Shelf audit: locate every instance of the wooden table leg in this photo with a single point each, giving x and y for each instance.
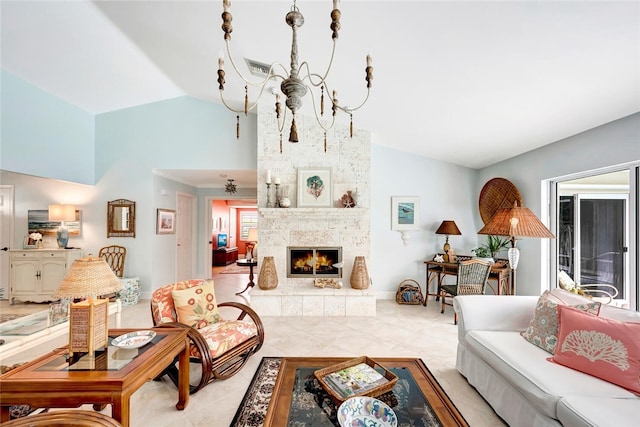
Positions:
(120, 409)
(183, 377)
(250, 284)
(4, 413)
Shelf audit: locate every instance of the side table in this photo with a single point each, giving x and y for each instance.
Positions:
(247, 263)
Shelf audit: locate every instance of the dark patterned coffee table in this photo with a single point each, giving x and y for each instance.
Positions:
(417, 398)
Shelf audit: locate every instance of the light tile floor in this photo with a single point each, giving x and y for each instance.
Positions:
(397, 330)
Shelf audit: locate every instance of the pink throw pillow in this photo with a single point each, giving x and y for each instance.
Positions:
(605, 348)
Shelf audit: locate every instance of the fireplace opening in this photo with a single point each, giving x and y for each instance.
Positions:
(313, 261)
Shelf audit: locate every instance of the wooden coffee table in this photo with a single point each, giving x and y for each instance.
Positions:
(414, 378)
(111, 378)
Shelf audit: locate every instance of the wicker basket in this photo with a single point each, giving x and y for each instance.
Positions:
(391, 378)
(409, 292)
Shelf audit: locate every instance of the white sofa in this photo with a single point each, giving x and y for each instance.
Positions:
(517, 380)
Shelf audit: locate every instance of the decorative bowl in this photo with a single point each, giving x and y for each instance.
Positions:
(133, 339)
(363, 411)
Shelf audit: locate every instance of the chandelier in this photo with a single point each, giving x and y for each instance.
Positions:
(296, 81)
(230, 187)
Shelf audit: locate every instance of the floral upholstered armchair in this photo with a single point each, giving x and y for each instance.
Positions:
(221, 347)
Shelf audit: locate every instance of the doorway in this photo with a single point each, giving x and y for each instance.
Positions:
(593, 224)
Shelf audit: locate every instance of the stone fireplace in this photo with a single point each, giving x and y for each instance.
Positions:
(314, 261)
(283, 229)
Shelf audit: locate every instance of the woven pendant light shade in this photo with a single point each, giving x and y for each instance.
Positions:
(516, 222)
(88, 277)
(268, 277)
(359, 274)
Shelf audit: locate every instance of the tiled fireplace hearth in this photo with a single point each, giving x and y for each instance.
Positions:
(281, 229)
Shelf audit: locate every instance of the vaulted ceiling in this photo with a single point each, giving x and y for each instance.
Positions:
(471, 83)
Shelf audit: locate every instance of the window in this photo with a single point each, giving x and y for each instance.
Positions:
(248, 219)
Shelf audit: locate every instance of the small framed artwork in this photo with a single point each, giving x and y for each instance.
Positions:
(166, 221)
(314, 188)
(405, 213)
(29, 243)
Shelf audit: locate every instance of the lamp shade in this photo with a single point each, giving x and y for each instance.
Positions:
(62, 213)
(253, 235)
(516, 221)
(449, 228)
(88, 277)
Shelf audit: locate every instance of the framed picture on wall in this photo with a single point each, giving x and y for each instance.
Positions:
(166, 221)
(405, 213)
(314, 188)
(38, 222)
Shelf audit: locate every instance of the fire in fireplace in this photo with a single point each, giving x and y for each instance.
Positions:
(313, 261)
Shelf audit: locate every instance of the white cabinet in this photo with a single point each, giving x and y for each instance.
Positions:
(36, 273)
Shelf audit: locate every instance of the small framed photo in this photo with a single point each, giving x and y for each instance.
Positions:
(166, 221)
(314, 188)
(405, 213)
(29, 243)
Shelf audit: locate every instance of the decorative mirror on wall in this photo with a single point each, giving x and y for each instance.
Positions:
(121, 218)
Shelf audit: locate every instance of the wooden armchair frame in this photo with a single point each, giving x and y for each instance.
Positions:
(225, 365)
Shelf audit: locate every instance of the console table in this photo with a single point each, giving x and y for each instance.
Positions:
(499, 272)
(225, 256)
(111, 377)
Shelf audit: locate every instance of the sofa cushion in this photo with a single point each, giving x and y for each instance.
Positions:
(543, 329)
(196, 306)
(605, 348)
(525, 366)
(579, 411)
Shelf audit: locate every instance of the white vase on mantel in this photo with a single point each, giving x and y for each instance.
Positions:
(285, 202)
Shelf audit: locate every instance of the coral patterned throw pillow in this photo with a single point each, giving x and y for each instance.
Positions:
(605, 348)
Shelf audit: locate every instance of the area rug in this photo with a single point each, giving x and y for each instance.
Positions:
(234, 269)
(314, 405)
(255, 402)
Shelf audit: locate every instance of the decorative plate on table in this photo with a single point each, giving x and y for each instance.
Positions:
(133, 339)
(363, 411)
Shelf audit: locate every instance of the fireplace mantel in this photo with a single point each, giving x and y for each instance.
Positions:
(312, 212)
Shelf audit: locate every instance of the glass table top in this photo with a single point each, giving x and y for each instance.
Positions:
(312, 406)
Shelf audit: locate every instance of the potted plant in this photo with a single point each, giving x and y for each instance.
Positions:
(492, 247)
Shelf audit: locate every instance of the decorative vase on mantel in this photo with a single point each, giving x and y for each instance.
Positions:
(268, 277)
(359, 274)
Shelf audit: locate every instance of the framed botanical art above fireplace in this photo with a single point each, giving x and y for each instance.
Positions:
(314, 188)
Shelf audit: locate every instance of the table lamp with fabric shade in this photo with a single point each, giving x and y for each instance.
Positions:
(252, 241)
(62, 213)
(516, 221)
(88, 320)
(449, 228)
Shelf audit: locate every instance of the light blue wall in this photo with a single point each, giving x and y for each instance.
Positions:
(43, 135)
(181, 133)
(612, 144)
(445, 191)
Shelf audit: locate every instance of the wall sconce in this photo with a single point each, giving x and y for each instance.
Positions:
(62, 213)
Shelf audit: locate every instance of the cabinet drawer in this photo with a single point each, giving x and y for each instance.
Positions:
(47, 254)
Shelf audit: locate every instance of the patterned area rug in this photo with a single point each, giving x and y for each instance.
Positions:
(235, 269)
(255, 402)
